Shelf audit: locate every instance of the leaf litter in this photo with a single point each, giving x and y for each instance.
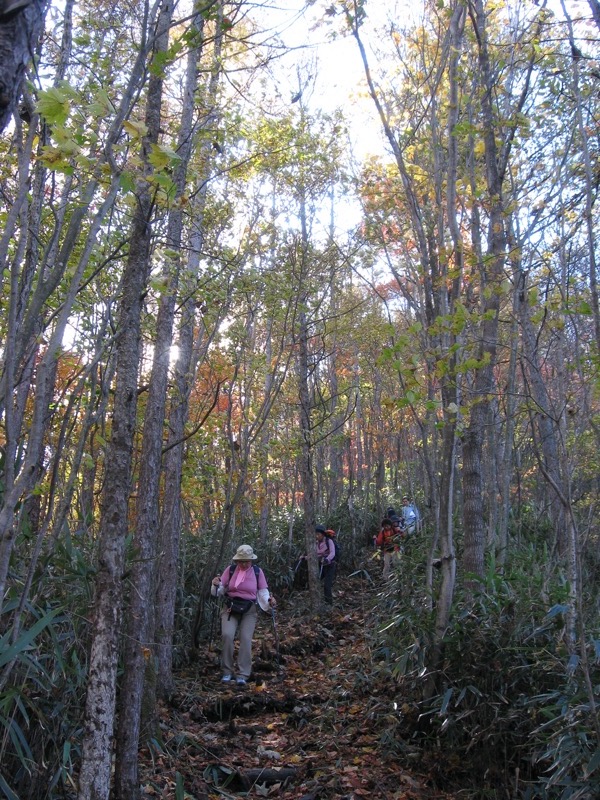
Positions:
(309, 725)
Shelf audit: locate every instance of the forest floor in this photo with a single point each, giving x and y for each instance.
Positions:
(311, 724)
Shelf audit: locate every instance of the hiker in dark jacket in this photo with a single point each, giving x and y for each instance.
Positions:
(247, 586)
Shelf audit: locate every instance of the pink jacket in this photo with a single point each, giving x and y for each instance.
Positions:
(326, 551)
(248, 588)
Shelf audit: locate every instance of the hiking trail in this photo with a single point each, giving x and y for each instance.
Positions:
(312, 724)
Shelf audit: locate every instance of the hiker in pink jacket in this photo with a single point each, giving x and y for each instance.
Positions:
(243, 585)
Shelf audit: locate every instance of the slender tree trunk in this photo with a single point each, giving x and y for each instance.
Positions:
(185, 368)
(306, 458)
(510, 393)
(337, 414)
(492, 272)
(265, 439)
(542, 416)
(20, 32)
(306, 408)
(94, 780)
(590, 212)
(140, 618)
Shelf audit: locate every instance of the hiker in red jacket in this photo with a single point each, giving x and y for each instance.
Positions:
(387, 542)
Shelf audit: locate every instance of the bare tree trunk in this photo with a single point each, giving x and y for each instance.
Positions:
(542, 416)
(306, 408)
(21, 26)
(590, 213)
(185, 368)
(356, 455)
(140, 618)
(338, 415)
(306, 458)
(510, 393)
(492, 272)
(94, 780)
(473, 439)
(265, 439)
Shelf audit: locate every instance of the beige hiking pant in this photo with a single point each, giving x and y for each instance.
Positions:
(390, 560)
(244, 627)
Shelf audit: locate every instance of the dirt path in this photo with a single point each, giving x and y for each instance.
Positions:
(308, 726)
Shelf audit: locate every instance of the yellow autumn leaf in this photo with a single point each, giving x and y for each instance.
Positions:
(135, 128)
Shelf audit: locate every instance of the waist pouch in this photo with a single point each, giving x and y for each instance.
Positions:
(238, 606)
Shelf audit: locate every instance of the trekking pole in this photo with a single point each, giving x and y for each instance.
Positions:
(213, 616)
(276, 635)
(300, 560)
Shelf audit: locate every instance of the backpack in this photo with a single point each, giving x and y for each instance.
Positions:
(255, 567)
(329, 534)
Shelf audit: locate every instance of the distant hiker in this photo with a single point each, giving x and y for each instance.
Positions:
(387, 542)
(326, 556)
(410, 515)
(399, 529)
(243, 585)
(392, 514)
(397, 525)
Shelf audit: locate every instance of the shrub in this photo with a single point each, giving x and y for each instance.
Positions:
(509, 711)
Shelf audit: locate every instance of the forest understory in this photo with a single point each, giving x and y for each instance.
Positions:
(313, 723)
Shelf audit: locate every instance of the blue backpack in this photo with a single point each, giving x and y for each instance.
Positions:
(329, 534)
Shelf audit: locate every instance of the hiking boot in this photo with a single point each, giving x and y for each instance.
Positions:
(241, 681)
(226, 679)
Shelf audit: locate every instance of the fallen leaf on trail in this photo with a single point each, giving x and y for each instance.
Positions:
(318, 714)
(273, 755)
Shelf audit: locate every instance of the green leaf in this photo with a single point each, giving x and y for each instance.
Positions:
(64, 139)
(24, 641)
(54, 106)
(583, 307)
(162, 156)
(8, 792)
(179, 788)
(446, 701)
(135, 128)
(593, 763)
(127, 182)
(559, 608)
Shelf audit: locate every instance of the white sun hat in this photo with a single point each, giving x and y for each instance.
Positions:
(245, 553)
